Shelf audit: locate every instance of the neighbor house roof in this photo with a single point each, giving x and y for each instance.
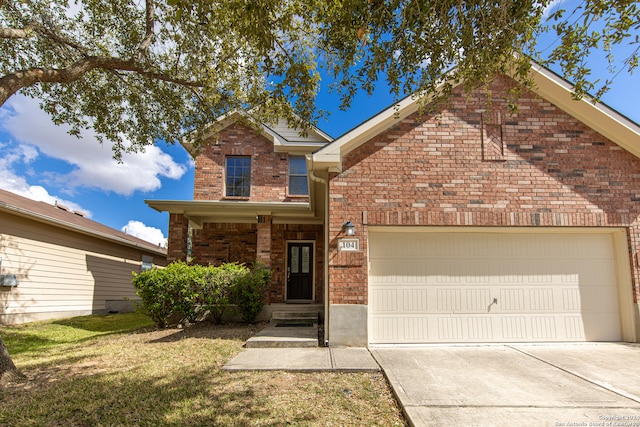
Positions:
(62, 217)
(548, 85)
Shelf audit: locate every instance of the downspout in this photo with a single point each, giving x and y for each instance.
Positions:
(326, 251)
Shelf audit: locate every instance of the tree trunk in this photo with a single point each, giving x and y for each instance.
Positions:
(6, 364)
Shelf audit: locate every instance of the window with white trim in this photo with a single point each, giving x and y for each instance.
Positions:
(238, 176)
(298, 184)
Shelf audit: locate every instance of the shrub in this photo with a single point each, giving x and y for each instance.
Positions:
(248, 291)
(183, 283)
(168, 291)
(216, 288)
(151, 288)
(186, 290)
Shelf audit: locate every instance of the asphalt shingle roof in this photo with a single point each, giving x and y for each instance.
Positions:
(60, 216)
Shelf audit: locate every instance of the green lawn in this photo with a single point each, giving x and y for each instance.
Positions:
(118, 370)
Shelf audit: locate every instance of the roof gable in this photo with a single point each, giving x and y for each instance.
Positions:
(548, 86)
(285, 138)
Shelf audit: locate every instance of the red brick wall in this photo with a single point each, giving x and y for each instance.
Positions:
(219, 243)
(178, 235)
(269, 170)
(448, 169)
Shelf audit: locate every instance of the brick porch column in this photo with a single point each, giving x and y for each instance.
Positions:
(178, 235)
(263, 249)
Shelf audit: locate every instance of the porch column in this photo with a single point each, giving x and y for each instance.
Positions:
(178, 236)
(263, 248)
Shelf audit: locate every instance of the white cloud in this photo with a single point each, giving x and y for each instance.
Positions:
(93, 164)
(17, 184)
(144, 232)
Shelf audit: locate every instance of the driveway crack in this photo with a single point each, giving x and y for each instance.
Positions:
(582, 377)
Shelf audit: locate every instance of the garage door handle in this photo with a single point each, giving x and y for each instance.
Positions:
(495, 301)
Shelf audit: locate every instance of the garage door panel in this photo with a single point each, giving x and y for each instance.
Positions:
(514, 328)
(598, 299)
(512, 299)
(574, 327)
(440, 287)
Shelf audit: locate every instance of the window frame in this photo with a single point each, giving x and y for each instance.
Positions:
(146, 263)
(241, 185)
(291, 175)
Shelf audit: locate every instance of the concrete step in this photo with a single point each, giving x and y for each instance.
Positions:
(294, 318)
(279, 336)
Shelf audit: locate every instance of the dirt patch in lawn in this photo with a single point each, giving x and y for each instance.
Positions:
(230, 331)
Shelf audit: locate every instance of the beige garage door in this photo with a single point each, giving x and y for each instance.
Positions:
(429, 287)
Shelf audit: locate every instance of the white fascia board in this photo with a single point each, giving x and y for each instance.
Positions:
(293, 147)
(241, 208)
(603, 119)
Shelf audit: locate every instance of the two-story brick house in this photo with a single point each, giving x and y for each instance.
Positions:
(252, 203)
(471, 224)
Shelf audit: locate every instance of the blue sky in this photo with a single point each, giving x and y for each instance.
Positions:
(40, 160)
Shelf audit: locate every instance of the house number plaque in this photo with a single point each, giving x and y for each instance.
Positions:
(348, 245)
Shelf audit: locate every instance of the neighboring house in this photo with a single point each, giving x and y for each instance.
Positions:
(471, 224)
(64, 264)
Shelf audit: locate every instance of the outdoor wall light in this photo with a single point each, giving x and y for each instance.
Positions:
(349, 228)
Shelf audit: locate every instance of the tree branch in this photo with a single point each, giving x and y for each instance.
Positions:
(16, 33)
(60, 38)
(11, 83)
(149, 22)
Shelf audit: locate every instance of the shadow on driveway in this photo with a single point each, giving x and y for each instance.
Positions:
(586, 384)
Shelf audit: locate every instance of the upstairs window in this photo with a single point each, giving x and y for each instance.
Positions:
(238, 176)
(298, 185)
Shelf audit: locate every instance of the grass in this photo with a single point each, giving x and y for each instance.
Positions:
(116, 370)
(39, 337)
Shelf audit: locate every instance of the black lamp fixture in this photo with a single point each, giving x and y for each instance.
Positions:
(349, 228)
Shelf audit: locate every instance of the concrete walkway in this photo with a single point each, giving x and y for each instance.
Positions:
(348, 359)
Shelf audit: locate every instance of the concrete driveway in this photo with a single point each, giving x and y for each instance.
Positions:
(591, 384)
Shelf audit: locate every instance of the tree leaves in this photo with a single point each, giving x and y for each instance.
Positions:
(162, 68)
(595, 25)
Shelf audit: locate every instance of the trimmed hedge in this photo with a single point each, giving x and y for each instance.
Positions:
(190, 291)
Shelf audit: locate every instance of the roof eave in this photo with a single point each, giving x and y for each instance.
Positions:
(83, 230)
(603, 119)
(201, 211)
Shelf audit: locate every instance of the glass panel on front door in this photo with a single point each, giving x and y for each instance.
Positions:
(295, 259)
(300, 271)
